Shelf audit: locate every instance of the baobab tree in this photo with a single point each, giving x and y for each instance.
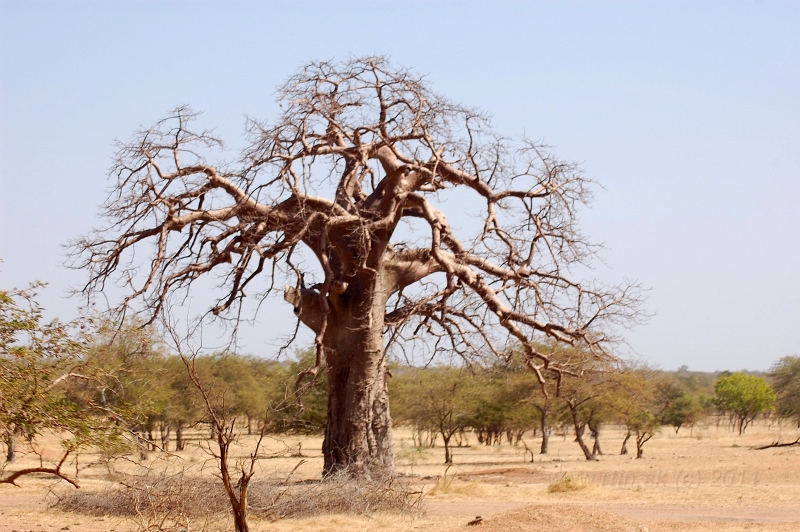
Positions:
(341, 200)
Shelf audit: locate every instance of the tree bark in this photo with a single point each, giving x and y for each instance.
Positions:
(11, 445)
(448, 455)
(238, 500)
(141, 443)
(624, 449)
(595, 430)
(545, 412)
(641, 439)
(166, 428)
(579, 438)
(179, 442)
(580, 428)
(358, 433)
(596, 450)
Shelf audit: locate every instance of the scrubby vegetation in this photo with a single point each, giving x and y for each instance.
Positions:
(118, 389)
(126, 375)
(160, 500)
(567, 483)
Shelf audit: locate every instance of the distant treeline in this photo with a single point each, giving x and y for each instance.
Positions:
(127, 375)
(501, 401)
(150, 390)
(506, 402)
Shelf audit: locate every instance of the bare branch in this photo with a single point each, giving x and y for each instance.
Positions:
(337, 191)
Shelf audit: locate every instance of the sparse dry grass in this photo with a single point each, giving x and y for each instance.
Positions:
(568, 483)
(711, 470)
(455, 488)
(165, 501)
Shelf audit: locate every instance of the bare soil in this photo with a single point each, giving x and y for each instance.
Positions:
(706, 479)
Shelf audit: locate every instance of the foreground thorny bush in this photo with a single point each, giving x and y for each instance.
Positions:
(163, 501)
(338, 494)
(156, 501)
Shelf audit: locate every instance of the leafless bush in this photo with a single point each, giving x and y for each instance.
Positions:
(160, 501)
(154, 501)
(340, 493)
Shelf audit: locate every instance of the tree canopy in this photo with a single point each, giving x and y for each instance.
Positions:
(785, 375)
(38, 360)
(745, 396)
(342, 199)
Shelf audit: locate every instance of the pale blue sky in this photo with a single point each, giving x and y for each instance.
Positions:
(688, 114)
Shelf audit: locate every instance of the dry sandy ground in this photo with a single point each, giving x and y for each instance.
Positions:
(710, 479)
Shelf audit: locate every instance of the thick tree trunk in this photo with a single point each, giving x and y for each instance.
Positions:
(358, 434)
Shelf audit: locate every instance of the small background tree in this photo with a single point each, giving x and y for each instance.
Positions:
(37, 362)
(640, 397)
(584, 405)
(785, 377)
(437, 400)
(685, 409)
(744, 397)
